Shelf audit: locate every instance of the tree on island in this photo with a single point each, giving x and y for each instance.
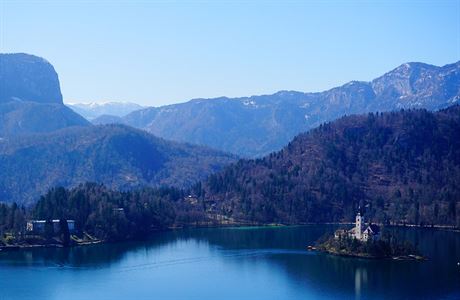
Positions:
(388, 246)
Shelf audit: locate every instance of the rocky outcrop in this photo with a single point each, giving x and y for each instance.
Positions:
(30, 97)
(28, 78)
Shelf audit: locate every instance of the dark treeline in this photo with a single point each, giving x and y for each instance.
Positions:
(12, 218)
(404, 167)
(108, 214)
(103, 213)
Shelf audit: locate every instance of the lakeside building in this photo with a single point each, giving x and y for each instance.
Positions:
(38, 226)
(360, 231)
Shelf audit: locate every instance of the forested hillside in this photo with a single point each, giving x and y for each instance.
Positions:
(403, 167)
(118, 156)
(22, 118)
(400, 167)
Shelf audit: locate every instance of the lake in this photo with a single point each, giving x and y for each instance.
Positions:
(232, 263)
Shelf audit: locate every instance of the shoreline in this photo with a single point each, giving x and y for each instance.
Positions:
(236, 224)
(410, 257)
(18, 247)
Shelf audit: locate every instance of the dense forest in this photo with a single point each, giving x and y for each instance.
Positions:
(12, 218)
(103, 213)
(404, 167)
(108, 214)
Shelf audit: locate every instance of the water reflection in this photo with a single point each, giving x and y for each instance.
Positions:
(276, 254)
(360, 280)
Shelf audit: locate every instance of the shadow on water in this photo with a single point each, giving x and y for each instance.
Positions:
(91, 256)
(104, 255)
(284, 249)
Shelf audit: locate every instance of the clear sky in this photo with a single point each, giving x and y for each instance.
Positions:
(160, 52)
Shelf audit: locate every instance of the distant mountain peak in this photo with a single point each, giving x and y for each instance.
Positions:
(256, 125)
(93, 110)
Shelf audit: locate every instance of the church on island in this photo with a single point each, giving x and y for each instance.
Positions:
(360, 231)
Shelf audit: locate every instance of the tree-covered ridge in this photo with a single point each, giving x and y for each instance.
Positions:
(118, 156)
(20, 118)
(403, 166)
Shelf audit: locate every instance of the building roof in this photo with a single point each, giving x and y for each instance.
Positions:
(372, 229)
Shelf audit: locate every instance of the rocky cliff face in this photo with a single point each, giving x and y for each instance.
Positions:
(28, 78)
(30, 97)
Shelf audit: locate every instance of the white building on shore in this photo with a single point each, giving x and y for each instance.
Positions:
(38, 226)
(360, 231)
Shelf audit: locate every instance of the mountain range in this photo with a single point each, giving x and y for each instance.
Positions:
(257, 125)
(94, 110)
(43, 143)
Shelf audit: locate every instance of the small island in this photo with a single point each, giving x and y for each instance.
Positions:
(367, 242)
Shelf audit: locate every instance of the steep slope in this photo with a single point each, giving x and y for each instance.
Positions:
(116, 155)
(28, 78)
(30, 97)
(257, 125)
(418, 85)
(404, 167)
(18, 117)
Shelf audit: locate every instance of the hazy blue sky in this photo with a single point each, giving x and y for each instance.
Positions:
(159, 52)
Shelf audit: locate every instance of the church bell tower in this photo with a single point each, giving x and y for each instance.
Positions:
(359, 225)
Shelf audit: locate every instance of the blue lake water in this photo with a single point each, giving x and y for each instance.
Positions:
(231, 263)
